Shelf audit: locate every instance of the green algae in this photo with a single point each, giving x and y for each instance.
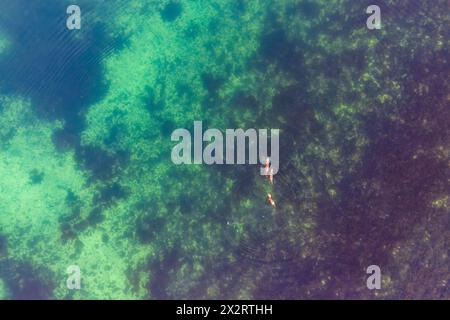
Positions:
(29, 213)
(4, 294)
(135, 119)
(4, 43)
(154, 230)
(140, 101)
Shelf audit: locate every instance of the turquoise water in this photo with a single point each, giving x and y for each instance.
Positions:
(86, 176)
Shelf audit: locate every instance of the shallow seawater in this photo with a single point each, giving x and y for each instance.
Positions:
(87, 177)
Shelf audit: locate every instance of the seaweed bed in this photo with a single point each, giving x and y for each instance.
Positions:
(85, 171)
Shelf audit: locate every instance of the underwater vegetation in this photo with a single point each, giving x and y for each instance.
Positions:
(3, 43)
(86, 176)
